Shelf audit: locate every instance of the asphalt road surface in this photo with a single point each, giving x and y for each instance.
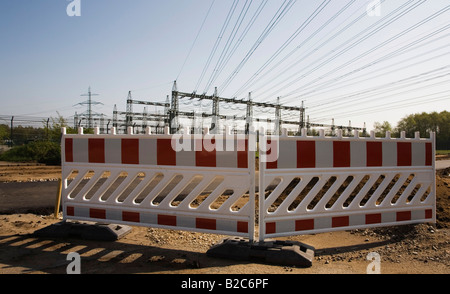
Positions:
(25, 196)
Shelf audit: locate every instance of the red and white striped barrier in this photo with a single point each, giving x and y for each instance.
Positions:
(159, 219)
(320, 184)
(344, 222)
(207, 182)
(184, 182)
(321, 152)
(159, 151)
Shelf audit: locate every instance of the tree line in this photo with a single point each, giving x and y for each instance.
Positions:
(424, 122)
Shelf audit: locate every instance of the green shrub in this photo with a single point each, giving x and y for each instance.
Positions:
(39, 151)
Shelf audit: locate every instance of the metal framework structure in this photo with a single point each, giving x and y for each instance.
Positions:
(144, 118)
(172, 114)
(249, 118)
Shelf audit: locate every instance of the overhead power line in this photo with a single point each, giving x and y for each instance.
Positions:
(282, 11)
(343, 61)
(359, 96)
(308, 90)
(220, 62)
(300, 29)
(380, 45)
(216, 44)
(195, 40)
(348, 45)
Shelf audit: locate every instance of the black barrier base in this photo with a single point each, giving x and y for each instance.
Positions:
(289, 253)
(84, 230)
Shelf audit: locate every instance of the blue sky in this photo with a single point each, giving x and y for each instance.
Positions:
(48, 59)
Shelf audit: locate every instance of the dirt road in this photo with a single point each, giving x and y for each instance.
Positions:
(411, 249)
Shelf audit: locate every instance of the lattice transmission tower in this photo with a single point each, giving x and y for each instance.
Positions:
(89, 113)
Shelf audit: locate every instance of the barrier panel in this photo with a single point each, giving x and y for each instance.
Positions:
(321, 184)
(188, 182)
(207, 183)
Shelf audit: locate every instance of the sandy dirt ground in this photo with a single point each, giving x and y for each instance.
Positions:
(410, 249)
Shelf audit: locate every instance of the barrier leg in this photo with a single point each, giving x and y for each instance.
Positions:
(288, 253)
(58, 198)
(84, 230)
